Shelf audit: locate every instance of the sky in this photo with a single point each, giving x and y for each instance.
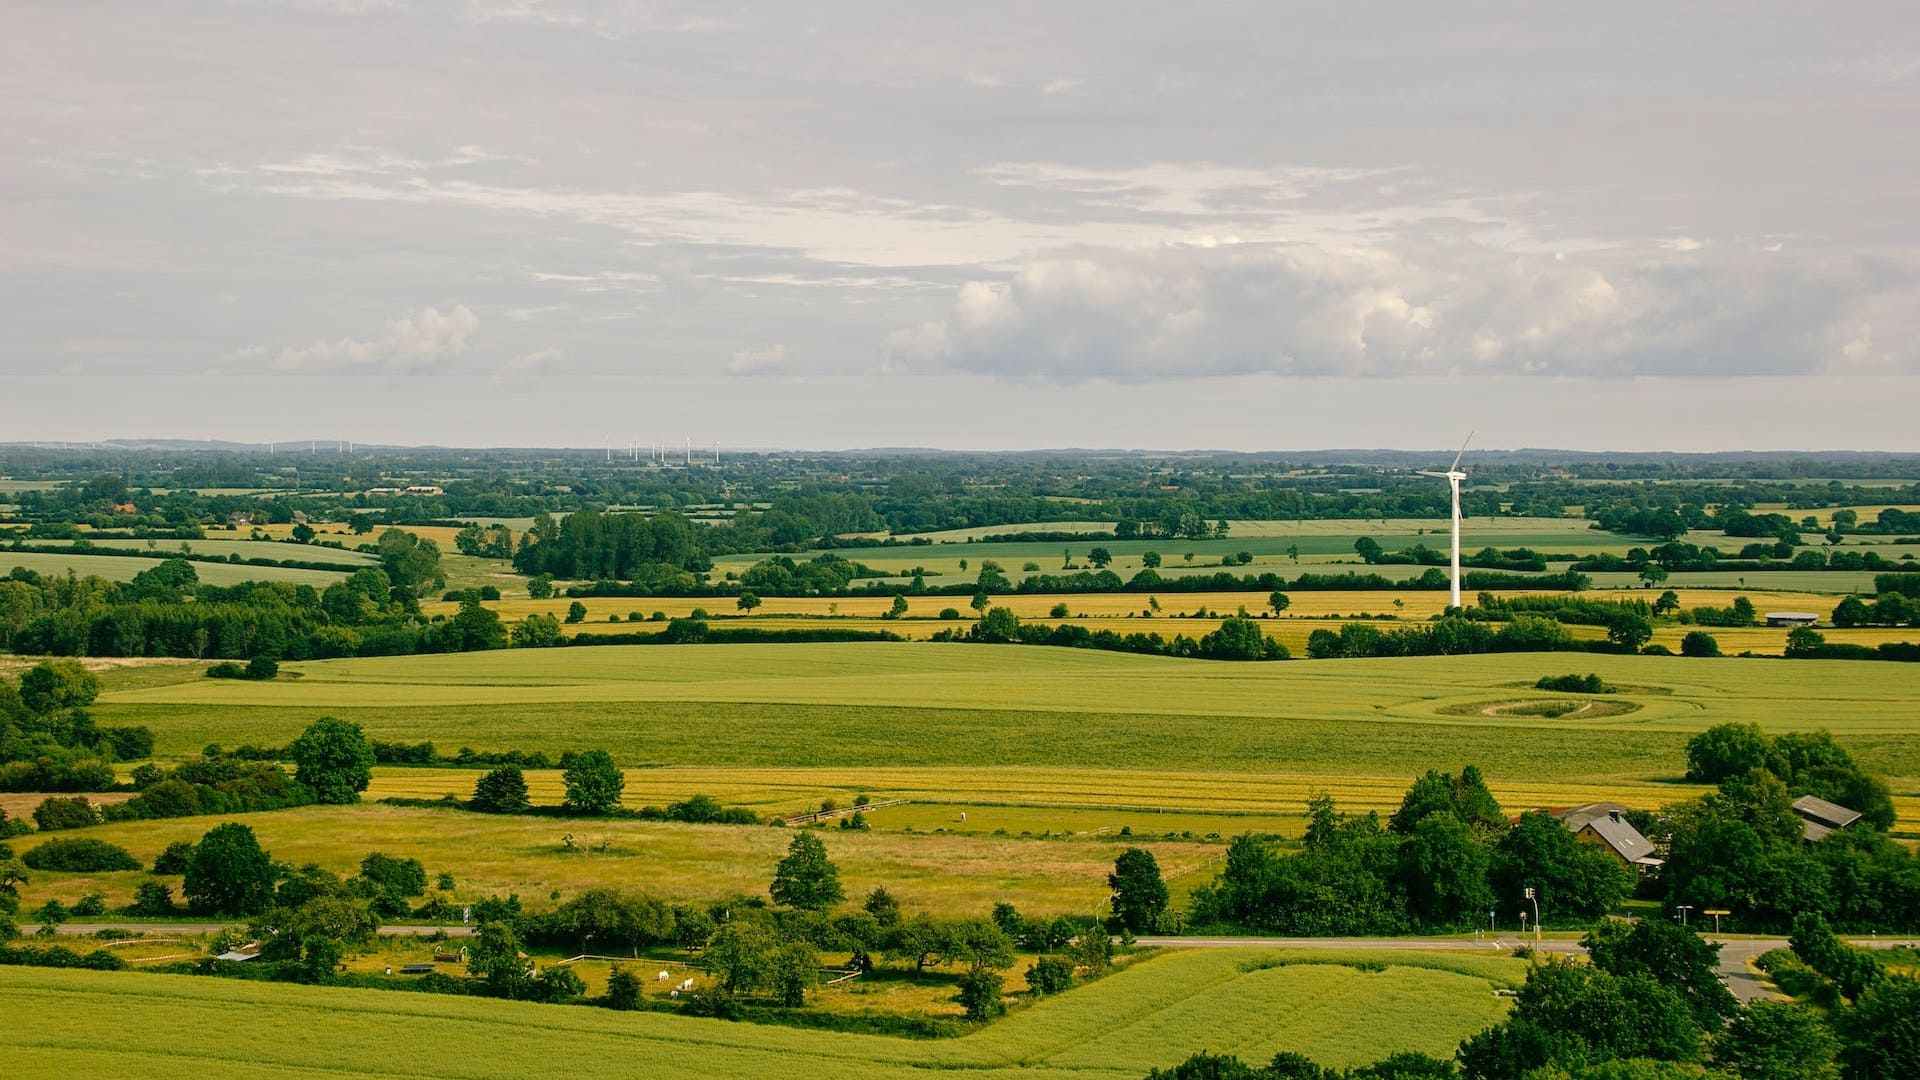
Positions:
(1239, 226)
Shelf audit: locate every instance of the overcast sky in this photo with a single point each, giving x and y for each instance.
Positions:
(1252, 226)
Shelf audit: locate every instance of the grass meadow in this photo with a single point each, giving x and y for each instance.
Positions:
(910, 704)
(124, 567)
(1156, 1012)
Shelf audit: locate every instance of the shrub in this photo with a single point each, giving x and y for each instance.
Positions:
(1699, 643)
(65, 812)
(151, 899)
(91, 905)
(1050, 975)
(175, 859)
(170, 798)
(980, 995)
(502, 791)
(80, 855)
(262, 668)
(1575, 684)
(226, 669)
(623, 989)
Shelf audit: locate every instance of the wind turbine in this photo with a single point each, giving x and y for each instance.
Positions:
(1453, 476)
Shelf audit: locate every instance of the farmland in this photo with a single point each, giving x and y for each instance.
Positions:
(916, 704)
(1250, 1002)
(1178, 614)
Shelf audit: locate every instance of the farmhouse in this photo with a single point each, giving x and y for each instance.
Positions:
(1819, 818)
(1605, 824)
(1792, 618)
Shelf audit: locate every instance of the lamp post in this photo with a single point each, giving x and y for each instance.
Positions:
(1683, 909)
(1536, 914)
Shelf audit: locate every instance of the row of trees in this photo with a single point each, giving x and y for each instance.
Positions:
(1441, 862)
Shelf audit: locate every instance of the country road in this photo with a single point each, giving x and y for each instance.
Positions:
(1735, 953)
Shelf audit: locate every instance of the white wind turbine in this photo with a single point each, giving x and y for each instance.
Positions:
(1453, 476)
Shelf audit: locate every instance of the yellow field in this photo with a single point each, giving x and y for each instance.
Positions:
(796, 790)
(1131, 613)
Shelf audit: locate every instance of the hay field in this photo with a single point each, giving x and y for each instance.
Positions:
(950, 874)
(1155, 1013)
(907, 704)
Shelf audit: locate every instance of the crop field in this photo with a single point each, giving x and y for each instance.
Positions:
(1027, 799)
(910, 704)
(124, 567)
(1252, 1003)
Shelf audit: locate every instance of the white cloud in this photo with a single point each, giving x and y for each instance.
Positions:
(761, 360)
(413, 343)
(1301, 309)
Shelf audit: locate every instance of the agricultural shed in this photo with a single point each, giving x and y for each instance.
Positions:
(1792, 618)
(1819, 818)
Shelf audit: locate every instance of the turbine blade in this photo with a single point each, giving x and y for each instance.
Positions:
(1455, 467)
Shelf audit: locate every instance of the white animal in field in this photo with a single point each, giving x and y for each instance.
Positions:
(663, 976)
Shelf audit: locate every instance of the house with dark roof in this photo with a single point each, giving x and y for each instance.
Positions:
(1819, 818)
(1605, 825)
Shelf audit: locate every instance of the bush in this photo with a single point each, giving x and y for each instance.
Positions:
(502, 791)
(151, 900)
(263, 668)
(80, 855)
(91, 905)
(175, 859)
(170, 798)
(980, 995)
(1699, 643)
(1575, 684)
(65, 812)
(623, 989)
(1050, 975)
(226, 669)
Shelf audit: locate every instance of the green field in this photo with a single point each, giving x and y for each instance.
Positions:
(1248, 1002)
(248, 549)
(124, 567)
(890, 705)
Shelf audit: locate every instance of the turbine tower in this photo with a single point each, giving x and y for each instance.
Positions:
(1453, 476)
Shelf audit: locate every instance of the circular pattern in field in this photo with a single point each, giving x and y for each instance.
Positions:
(1546, 708)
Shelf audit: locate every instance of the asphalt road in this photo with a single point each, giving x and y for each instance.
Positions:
(1735, 953)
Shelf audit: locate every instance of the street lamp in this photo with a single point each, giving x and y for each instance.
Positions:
(1536, 914)
(1683, 909)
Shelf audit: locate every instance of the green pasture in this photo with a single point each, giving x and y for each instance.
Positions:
(1836, 583)
(124, 567)
(905, 704)
(1249, 1002)
(246, 549)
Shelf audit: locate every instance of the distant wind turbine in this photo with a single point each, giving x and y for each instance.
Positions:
(1453, 476)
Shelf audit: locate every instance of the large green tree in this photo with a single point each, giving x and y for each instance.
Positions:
(229, 874)
(333, 758)
(1139, 892)
(594, 782)
(806, 878)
